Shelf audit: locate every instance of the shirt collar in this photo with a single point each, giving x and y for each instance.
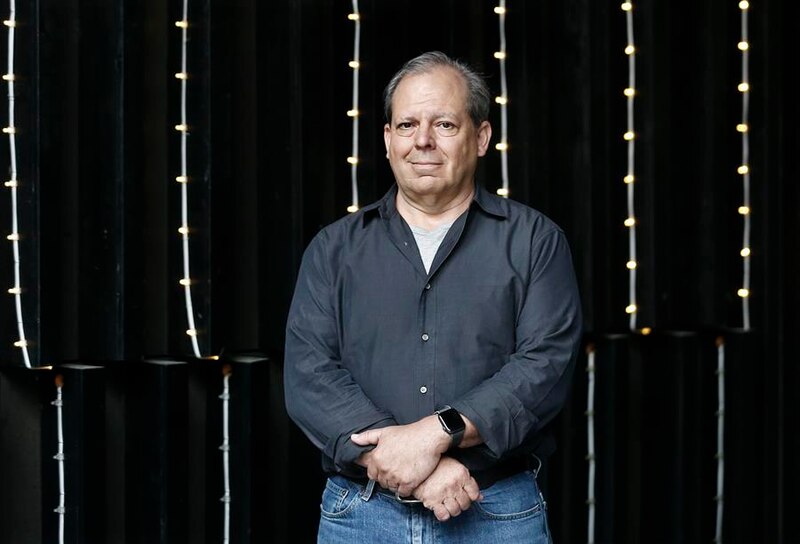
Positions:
(386, 207)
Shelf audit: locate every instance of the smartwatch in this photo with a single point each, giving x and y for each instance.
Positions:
(452, 424)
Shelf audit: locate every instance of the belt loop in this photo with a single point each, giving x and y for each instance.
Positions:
(538, 463)
(368, 490)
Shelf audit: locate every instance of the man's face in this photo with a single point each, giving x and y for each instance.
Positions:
(432, 144)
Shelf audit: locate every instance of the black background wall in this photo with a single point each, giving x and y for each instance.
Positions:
(269, 86)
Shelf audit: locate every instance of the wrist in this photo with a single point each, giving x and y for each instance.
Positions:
(452, 424)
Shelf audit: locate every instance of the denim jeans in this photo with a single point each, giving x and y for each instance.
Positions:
(512, 511)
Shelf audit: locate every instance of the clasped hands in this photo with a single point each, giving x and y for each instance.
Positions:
(410, 460)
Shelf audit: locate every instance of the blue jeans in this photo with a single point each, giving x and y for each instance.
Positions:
(512, 511)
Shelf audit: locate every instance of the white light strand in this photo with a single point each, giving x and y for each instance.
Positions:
(720, 437)
(59, 456)
(225, 447)
(183, 179)
(502, 100)
(355, 64)
(14, 237)
(590, 455)
(630, 137)
(744, 168)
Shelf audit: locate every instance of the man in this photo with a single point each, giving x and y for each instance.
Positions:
(432, 336)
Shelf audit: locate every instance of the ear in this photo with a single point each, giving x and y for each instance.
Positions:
(387, 137)
(484, 135)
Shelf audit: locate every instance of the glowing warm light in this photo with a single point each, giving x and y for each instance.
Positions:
(354, 64)
(502, 146)
(744, 293)
(20, 344)
(628, 179)
(744, 4)
(182, 179)
(501, 100)
(743, 87)
(185, 282)
(631, 265)
(629, 222)
(8, 77)
(182, 24)
(499, 10)
(742, 127)
(9, 23)
(181, 75)
(183, 230)
(743, 46)
(630, 50)
(629, 91)
(646, 330)
(182, 127)
(352, 208)
(352, 113)
(630, 309)
(15, 291)
(628, 135)
(11, 183)
(9, 130)
(744, 210)
(743, 169)
(191, 332)
(354, 16)
(13, 237)
(745, 252)
(502, 191)
(626, 6)
(500, 55)
(352, 160)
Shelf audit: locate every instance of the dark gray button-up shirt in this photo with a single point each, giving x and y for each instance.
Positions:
(493, 330)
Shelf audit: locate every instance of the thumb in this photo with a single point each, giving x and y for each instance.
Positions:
(366, 438)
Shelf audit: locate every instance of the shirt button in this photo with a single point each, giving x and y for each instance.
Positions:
(423, 389)
(428, 286)
(425, 337)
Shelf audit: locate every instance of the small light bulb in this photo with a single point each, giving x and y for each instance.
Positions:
(744, 293)
(744, 4)
(9, 23)
(628, 136)
(352, 160)
(8, 77)
(499, 10)
(354, 64)
(182, 127)
(352, 113)
(743, 169)
(501, 100)
(629, 222)
(502, 146)
(742, 127)
(628, 179)
(182, 24)
(15, 291)
(745, 252)
(181, 75)
(630, 50)
(743, 46)
(502, 191)
(743, 87)
(629, 91)
(631, 265)
(183, 230)
(744, 210)
(20, 344)
(630, 309)
(191, 332)
(352, 208)
(185, 282)
(14, 237)
(11, 183)
(182, 179)
(626, 6)
(500, 55)
(9, 130)
(646, 330)
(354, 16)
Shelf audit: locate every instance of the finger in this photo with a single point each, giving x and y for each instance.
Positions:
(452, 506)
(472, 489)
(441, 512)
(463, 500)
(366, 438)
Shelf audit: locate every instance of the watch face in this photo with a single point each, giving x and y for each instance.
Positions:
(451, 420)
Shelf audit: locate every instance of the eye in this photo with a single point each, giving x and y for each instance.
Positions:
(404, 128)
(446, 128)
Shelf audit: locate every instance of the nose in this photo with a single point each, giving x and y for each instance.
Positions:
(424, 137)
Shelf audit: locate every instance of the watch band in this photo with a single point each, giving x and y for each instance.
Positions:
(452, 423)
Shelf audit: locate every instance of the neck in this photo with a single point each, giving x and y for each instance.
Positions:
(429, 213)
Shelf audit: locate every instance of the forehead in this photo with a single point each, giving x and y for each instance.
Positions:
(441, 86)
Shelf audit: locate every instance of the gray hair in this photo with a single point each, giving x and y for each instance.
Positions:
(478, 95)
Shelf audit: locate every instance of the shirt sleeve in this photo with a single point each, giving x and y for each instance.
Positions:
(510, 408)
(321, 396)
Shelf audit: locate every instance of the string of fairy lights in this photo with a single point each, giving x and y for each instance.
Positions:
(502, 100)
(13, 183)
(630, 137)
(353, 112)
(591, 370)
(744, 168)
(183, 180)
